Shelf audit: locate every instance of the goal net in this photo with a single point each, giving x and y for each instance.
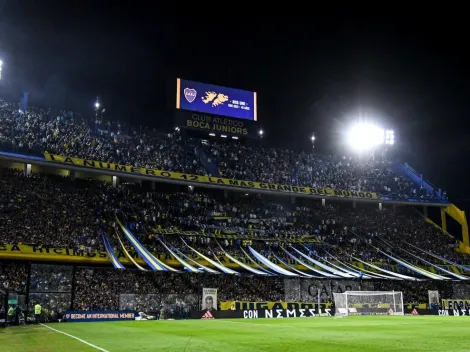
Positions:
(368, 303)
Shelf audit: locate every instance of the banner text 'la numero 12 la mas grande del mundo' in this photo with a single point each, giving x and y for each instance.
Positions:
(328, 192)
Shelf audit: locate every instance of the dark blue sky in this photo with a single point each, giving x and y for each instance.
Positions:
(311, 73)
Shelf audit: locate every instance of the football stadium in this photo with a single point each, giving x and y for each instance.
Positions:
(116, 236)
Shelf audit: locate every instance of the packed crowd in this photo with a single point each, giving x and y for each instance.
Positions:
(112, 289)
(70, 134)
(109, 289)
(47, 210)
(54, 211)
(66, 133)
(13, 277)
(283, 166)
(60, 212)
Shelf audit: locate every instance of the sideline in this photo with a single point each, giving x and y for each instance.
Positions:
(76, 338)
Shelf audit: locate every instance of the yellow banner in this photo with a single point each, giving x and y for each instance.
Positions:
(69, 255)
(245, 305)
(208, 179)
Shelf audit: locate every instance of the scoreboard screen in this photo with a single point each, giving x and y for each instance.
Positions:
(212, 99)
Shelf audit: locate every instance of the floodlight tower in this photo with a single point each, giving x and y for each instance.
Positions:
(97, 106)
(312, 139)
(366, 138)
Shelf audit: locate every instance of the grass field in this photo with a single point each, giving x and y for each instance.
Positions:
(413, 333)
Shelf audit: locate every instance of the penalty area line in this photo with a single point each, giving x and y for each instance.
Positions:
(76, 338)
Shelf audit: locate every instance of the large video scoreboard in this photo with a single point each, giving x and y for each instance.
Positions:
(217, 100)
(216, 110)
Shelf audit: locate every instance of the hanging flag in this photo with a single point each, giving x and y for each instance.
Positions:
(243, 265)
(333, 265)
(401, 276)
(294, 269)
(370, 274)
(218, 265)
(112, 256)
(270, 264)
(264, 270)
(441, 258)
(127, 253)
(153, 262)
(321, 265)
(185, 265)
(202, 267)
(415, 268)
(457, 276)
(309, 267)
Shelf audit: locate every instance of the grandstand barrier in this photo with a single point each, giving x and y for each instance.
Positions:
(75, 256)
(79, 316)
(454, 312)
(109, 169)
(219, 181)
(309, 313)
(245, 305)
(260, 313)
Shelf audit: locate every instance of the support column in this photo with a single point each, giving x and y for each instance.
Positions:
(380, 206)
(354, 204)
(443, 220)
(115, 181)
(28, 285)
(425, 211)
(72, 297)
(323, 202)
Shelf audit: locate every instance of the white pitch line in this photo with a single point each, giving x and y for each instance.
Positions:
(76, 338)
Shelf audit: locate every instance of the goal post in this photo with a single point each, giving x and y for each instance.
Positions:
(369, 303)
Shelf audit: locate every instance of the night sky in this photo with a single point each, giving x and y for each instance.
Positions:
(312, 74)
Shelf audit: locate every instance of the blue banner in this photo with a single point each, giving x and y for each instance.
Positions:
(96, 315)
(212, 99)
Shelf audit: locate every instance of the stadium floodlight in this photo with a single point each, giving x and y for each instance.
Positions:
(365, 136)
(261, 132)
(97, 105)
(312, 138)
(212, 134)
(390, 137)
(223, 135)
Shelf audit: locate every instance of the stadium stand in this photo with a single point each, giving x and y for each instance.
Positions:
(249, 233)
(70, 134)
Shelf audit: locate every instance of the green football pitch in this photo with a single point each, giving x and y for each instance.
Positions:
(410, 333)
